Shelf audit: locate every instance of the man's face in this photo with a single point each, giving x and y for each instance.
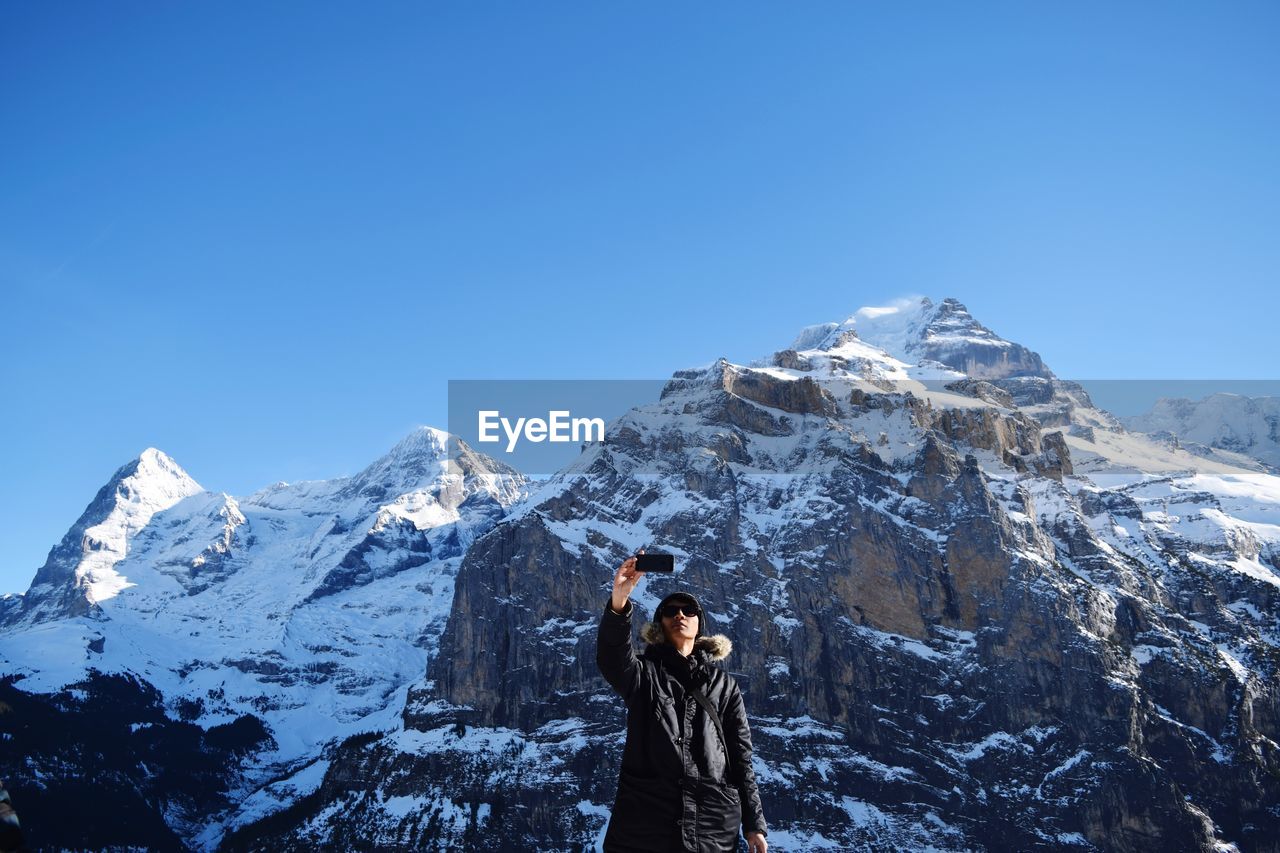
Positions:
(680, 626)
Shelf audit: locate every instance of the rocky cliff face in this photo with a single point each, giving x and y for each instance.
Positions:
(947, 635)
(968, 611)
(949, 335)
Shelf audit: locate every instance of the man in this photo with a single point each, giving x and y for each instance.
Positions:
(684, 786)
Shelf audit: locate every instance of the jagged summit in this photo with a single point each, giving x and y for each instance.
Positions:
(917, 332)
(155, 476)
(416, 457)
(147, 484)
(423, 449)
(422, 440)
(155, 460)
(80, 570)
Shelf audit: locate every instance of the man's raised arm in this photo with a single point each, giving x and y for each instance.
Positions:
(614, 655)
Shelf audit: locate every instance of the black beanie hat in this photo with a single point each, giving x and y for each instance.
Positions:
(682, 597)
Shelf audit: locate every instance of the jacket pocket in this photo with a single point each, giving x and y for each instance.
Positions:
(717, 756)
(730, 792)
(719, 816)
(666, 723)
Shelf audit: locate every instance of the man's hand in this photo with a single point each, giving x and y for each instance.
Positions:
(756, 843)
(624, 581)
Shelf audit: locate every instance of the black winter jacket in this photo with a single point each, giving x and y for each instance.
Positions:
(675, 790)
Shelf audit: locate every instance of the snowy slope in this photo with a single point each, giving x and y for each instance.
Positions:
(309, 605)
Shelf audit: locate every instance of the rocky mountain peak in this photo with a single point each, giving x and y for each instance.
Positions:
(913, 332)
(421, 442)
(948, 334)
(153, 481)
(80, 570)
(416, 462)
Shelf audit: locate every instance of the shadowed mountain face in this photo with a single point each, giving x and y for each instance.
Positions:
(979, 616)
(949, 335)
(138, 777)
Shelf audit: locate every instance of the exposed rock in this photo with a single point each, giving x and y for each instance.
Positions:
(802, 396)
(790, 359)
(983, 391)
(949, 335)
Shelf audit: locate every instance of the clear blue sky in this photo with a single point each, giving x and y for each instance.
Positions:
(262, 236)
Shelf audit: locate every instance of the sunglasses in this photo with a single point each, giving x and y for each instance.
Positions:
(671, 611)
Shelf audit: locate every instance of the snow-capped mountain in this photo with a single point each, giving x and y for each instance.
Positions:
(969, 611)
(924, 339)
(306, 606)
(1231, 423)
(81, 569)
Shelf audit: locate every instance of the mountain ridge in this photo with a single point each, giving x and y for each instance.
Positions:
(897, 548)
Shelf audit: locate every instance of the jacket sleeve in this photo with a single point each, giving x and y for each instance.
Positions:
(614, 655)
(738, 733)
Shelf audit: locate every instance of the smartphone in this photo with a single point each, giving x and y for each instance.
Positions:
(656, 562)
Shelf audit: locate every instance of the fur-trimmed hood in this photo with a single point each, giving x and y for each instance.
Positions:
(713, 646)
(716, 646)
